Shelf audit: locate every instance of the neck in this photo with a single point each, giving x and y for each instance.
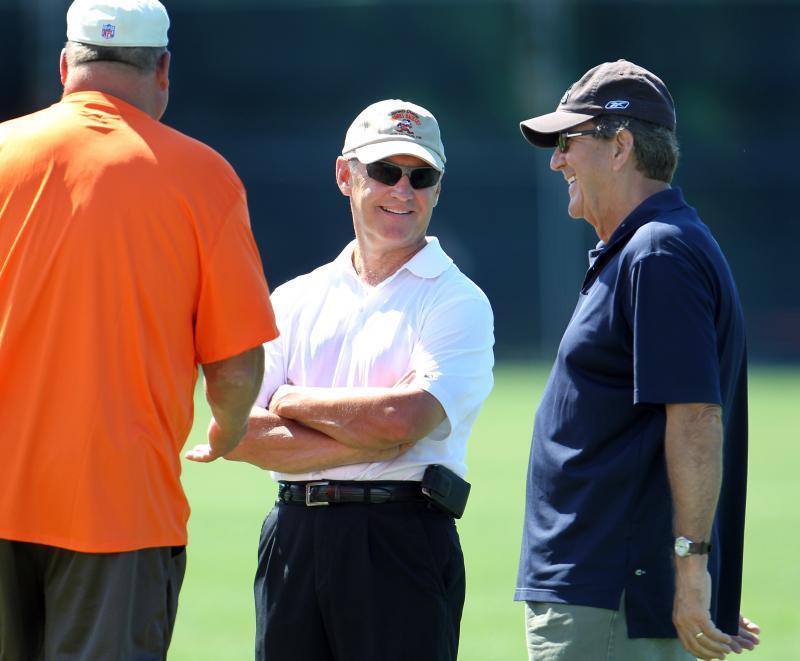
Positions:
(632, 194)
(116, 79)
(375, 267)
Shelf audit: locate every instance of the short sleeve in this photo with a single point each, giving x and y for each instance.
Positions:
(234, 311)
(275, 374)
(675, 353)
(453, 358)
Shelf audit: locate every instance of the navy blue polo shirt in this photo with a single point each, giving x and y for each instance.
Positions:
(658, 321)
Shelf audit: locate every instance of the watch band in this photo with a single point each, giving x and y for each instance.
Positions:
(699, 548)
(685, 546)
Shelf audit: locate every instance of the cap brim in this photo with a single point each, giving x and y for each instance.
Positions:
(542, 131)
(380, 150)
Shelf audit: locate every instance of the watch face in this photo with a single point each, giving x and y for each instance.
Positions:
(682, 547)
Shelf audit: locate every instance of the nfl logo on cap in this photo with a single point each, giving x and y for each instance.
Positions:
(118, 23)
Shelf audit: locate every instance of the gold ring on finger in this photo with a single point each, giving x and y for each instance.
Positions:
(699, 635)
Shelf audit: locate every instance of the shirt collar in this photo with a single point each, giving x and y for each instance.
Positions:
(430, 262)
(659, 203)
(654, 206)
(103, 101)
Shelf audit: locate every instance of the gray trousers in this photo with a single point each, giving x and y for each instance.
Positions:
(57, 604)
(564, 632)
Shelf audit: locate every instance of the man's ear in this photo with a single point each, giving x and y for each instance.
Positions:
(343, 175)
(162, 71)
(62, 65)
(623, 148)
(438, 191)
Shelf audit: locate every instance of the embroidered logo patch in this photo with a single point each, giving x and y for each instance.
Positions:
(405, 121)
(107, 30)
(617, 105)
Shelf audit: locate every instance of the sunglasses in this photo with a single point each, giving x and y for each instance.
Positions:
(562, 138)
(390, 173)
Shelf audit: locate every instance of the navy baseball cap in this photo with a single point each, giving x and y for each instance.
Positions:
(619, 88)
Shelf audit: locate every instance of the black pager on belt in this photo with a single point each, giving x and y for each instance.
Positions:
(445, 489)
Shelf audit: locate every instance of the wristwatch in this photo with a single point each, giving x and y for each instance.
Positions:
(685, 546)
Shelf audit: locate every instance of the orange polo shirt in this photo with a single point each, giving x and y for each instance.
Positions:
(126, 258)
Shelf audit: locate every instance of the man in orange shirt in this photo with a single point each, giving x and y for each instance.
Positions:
(126, 259)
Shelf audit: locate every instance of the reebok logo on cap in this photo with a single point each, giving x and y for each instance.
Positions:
(620, 87)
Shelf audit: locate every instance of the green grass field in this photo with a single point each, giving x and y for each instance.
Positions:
(215, 619)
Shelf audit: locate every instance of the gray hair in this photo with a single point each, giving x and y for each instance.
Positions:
(655, 147)
(143, 58)
(352, 162)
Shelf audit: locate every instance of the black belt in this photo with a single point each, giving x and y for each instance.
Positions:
(326, 492)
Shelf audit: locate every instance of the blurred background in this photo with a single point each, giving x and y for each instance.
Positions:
(273, 85)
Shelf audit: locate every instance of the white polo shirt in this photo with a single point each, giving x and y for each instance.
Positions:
(337, 331)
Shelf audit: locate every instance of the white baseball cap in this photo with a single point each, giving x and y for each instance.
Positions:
(118, 23)
(393, 127)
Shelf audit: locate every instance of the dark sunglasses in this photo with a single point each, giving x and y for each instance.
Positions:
(561, 141)
(390, 173)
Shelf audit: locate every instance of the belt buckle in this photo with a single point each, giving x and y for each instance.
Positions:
(311, 503)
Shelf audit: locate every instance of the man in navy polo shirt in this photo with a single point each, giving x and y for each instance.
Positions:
(632, 545)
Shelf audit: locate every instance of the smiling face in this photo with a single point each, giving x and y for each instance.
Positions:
(390, 221)
(587, 168)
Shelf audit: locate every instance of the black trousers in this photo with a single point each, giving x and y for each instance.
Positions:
(57, 604)
(358, 582)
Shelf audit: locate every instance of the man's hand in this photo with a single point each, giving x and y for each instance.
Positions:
(691, 611)
(274, 443)
(288, 392)
(363, 417)
(202, 453)
(284, 391)
(693, 447)
(747, 637)
(205, 452)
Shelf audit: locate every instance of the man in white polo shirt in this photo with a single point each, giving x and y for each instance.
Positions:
(384, 359)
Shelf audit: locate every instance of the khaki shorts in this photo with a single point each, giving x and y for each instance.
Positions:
(564, 632)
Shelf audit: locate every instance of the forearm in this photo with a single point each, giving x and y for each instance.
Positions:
(362, 417)
(693, 449)
(693, 446)
(231, 388)
(694, 464)
(286, 446)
